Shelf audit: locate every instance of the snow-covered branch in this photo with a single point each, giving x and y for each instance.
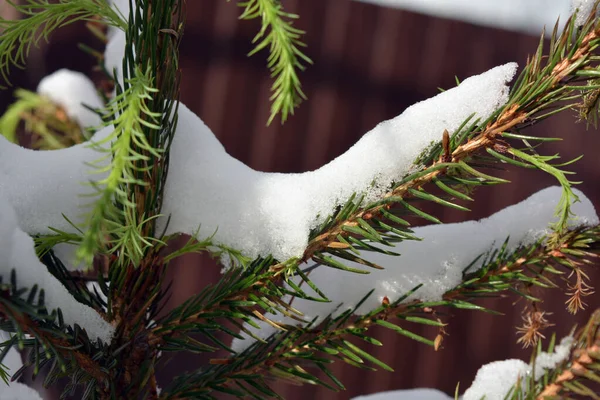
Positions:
(17, 253)
(437, 262)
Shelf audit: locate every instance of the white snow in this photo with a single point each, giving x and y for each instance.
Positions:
(545, 361)
(17, 252)
(529, 16)
(436, 262)
(584, 9)
(277, 211)
(18, 391)
(269, 213)
(114, 53)
(409, 394)
(70, 89)
(14, 390)
(42, 185)
(494, 380)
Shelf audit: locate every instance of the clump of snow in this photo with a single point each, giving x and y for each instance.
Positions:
(17, 252)
(41, 186)
(14, 390)
(494, 380)
(409, 394)
(530, 16)
(545, 361)
(18, 391)
(583, 8)
(114, 53)
(276, 211)
(436, 262)
(70, 90)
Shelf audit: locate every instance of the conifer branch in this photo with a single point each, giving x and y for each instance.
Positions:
(289, 352)
(59, 346)
(581, 368)
(285, 56)
(152, 39)
(51, 341)
(533, 98)
(42, 18)
(114, 213)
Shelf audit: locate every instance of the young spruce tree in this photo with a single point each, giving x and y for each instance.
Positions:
(107, 338)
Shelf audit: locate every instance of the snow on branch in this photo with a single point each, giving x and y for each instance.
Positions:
(264, 214)
(437, 262)
(270, 213)
(17, 253)
(583, 8)
(42, 186)
(14, 390)
(255, 212)
(71, 90)
(493, 381)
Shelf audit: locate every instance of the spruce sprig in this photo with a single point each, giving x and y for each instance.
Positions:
(42, 18)
(286, 57)
(114, 212)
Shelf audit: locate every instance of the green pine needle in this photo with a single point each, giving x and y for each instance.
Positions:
(285, 58)
(42, 18)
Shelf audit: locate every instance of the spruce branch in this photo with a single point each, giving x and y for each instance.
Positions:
(67, 349)
(547, 85)
(153, 38)
(42, 18)
(135, 292)
(575, 376)
(581, 368)
(114, 212)
(285, 55)
(293, 349)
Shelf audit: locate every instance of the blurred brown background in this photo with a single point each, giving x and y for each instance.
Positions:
(370, 63)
